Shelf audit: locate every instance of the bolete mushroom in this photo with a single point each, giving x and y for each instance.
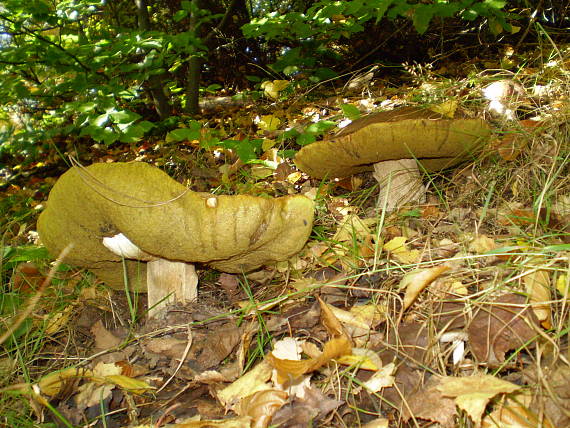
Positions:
(392, 143)
(134, 211)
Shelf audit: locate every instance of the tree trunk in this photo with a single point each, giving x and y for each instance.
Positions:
(156, 82)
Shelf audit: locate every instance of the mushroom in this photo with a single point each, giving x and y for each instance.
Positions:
(137, 213)
(392, 143)
(504, 97)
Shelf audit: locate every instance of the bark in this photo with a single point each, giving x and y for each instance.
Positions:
(156, 82)
(195, 61)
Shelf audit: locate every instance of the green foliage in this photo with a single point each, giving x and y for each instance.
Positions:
(310, 133)
(328, 21)
(351, 112)
(337, 19)
(72, 67)
(247, 150)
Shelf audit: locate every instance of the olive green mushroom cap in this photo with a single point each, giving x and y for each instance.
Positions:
(165, 220)
(437, 142)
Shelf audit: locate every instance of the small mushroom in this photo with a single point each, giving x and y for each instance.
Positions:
(137, 213)
(392, 143)
(504, 97)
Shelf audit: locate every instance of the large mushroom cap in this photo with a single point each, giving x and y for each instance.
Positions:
(165, 220)
(405, 133)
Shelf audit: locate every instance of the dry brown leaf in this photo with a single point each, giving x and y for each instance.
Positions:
(429, 403)
(414, 282)
(305, 411)
(481, 244)
(500, 326)
(473, 393)
(104, 339)
(330, 320)
(514, 412)
(262, 405)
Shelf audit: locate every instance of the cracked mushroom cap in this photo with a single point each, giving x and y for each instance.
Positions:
(167, 221)
(437, 142)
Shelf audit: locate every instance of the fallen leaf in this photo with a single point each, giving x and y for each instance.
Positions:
(514, 411)
(500, 326)
(473, 393)
(253, 381)
(268, 123)
(482, 244)
(362, 358)
(427, 402)
(399, 250)
(414, 282)
(306, 411)
(537, 284)
(290, 369)
(330, 320)
(104, 339)
(53, 383)
(446, 108)
(383, 378)
(273, 87)
(377, 423)
(262, 405)
(563, 286)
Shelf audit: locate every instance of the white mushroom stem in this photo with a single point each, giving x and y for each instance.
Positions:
(167, 281)
(400, 182)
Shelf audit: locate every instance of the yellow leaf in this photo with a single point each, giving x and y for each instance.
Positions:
(251, 382)
(292, 369)
(365, 359)
(563, 286)
(267, 144)
(473, 393)
(135, 386)
(398, 248)
(447, 108)
(272, 88)
(268, 123)
(53, 383)
(537, 283)
(352, 228)
(414, 282)
(330, 319)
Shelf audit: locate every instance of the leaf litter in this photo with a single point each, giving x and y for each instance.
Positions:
(452, 311)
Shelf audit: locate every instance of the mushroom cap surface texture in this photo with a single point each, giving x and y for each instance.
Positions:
(405, 133)
(166, 220)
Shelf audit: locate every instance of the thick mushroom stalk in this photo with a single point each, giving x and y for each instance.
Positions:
(137, 212)
(392, 143)
(166, 281)
(400, 182)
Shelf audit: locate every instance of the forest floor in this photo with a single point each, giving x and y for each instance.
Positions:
(452, 312)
